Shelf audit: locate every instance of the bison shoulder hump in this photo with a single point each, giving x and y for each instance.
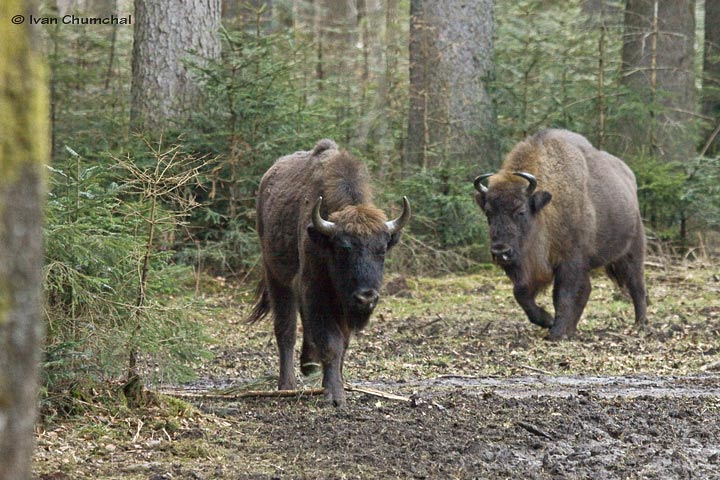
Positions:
(324, 144)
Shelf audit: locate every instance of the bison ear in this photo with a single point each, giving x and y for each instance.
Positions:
(538, 200)
(394, 239)
(317, 237)
(480, 199)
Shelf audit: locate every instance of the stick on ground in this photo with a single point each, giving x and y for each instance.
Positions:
(281, 393)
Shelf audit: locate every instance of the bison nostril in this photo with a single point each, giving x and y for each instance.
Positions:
(367, 297)
(500, 250)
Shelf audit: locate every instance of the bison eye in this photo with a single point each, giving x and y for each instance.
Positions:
(520, 213)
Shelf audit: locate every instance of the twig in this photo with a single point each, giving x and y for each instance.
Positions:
(438, 318)
(534, 369)
(137, 433)
(377, 393)
(533, 429)
(711, 366)
(454, 375)
(710, 140)
(246, 394)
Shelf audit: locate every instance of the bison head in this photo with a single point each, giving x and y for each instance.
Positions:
(510, 207)
(354, 242)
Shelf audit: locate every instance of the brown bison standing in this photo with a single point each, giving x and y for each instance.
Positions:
(557, 209)
(330, 270)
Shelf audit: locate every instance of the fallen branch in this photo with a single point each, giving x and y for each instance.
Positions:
(377, 393)
(281, 394)
(245, 394)
(535, 369)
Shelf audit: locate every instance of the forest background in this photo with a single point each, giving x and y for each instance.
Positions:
(159, 143)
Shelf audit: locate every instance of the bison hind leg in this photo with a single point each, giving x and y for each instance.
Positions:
(628, 273)
(284, 306)
(310, 363)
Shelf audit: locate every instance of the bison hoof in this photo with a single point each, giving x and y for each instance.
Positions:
(310, 368)
(544, 320)
(337, 399)
(287, 385)
(557, 335)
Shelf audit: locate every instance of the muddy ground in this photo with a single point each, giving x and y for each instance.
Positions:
(488, 397)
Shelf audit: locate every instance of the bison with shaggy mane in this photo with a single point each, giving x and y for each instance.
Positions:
(557, 209)
(323, 248)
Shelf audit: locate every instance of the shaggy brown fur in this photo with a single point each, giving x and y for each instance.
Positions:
(360, 220)
(589, 219)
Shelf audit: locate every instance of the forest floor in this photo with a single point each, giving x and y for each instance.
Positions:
(487, 395)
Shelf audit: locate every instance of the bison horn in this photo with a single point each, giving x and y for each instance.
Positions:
(396, 225)
(529, 178)
(478, 182)
(321, 225)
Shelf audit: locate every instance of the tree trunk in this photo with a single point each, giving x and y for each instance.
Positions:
(24, 149)
(657, 69)
(163, 89)
(711, 74)
(336, 31)
(451, 118)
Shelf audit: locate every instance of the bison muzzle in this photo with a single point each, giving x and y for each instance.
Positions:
(557, 209)
(323, 250)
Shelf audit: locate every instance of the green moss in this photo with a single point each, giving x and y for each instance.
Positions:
(24, 101)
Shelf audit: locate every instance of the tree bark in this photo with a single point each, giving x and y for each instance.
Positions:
(163, 89)
(451, 117)
(24, 149)
(711, 74)
(336, 31)
(657, 69)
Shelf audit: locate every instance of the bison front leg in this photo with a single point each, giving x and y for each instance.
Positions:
(570, 295)
(332, 352)
(325, 338)
(525, 297)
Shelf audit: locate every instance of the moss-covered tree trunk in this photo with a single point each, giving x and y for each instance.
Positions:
(24, 148)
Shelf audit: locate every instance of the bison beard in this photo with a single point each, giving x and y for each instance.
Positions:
(328, 270)
(557, 209)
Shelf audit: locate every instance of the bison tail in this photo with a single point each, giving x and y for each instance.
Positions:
(262, 303)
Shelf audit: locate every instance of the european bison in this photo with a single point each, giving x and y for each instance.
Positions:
(330, 270)
(557, 209)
